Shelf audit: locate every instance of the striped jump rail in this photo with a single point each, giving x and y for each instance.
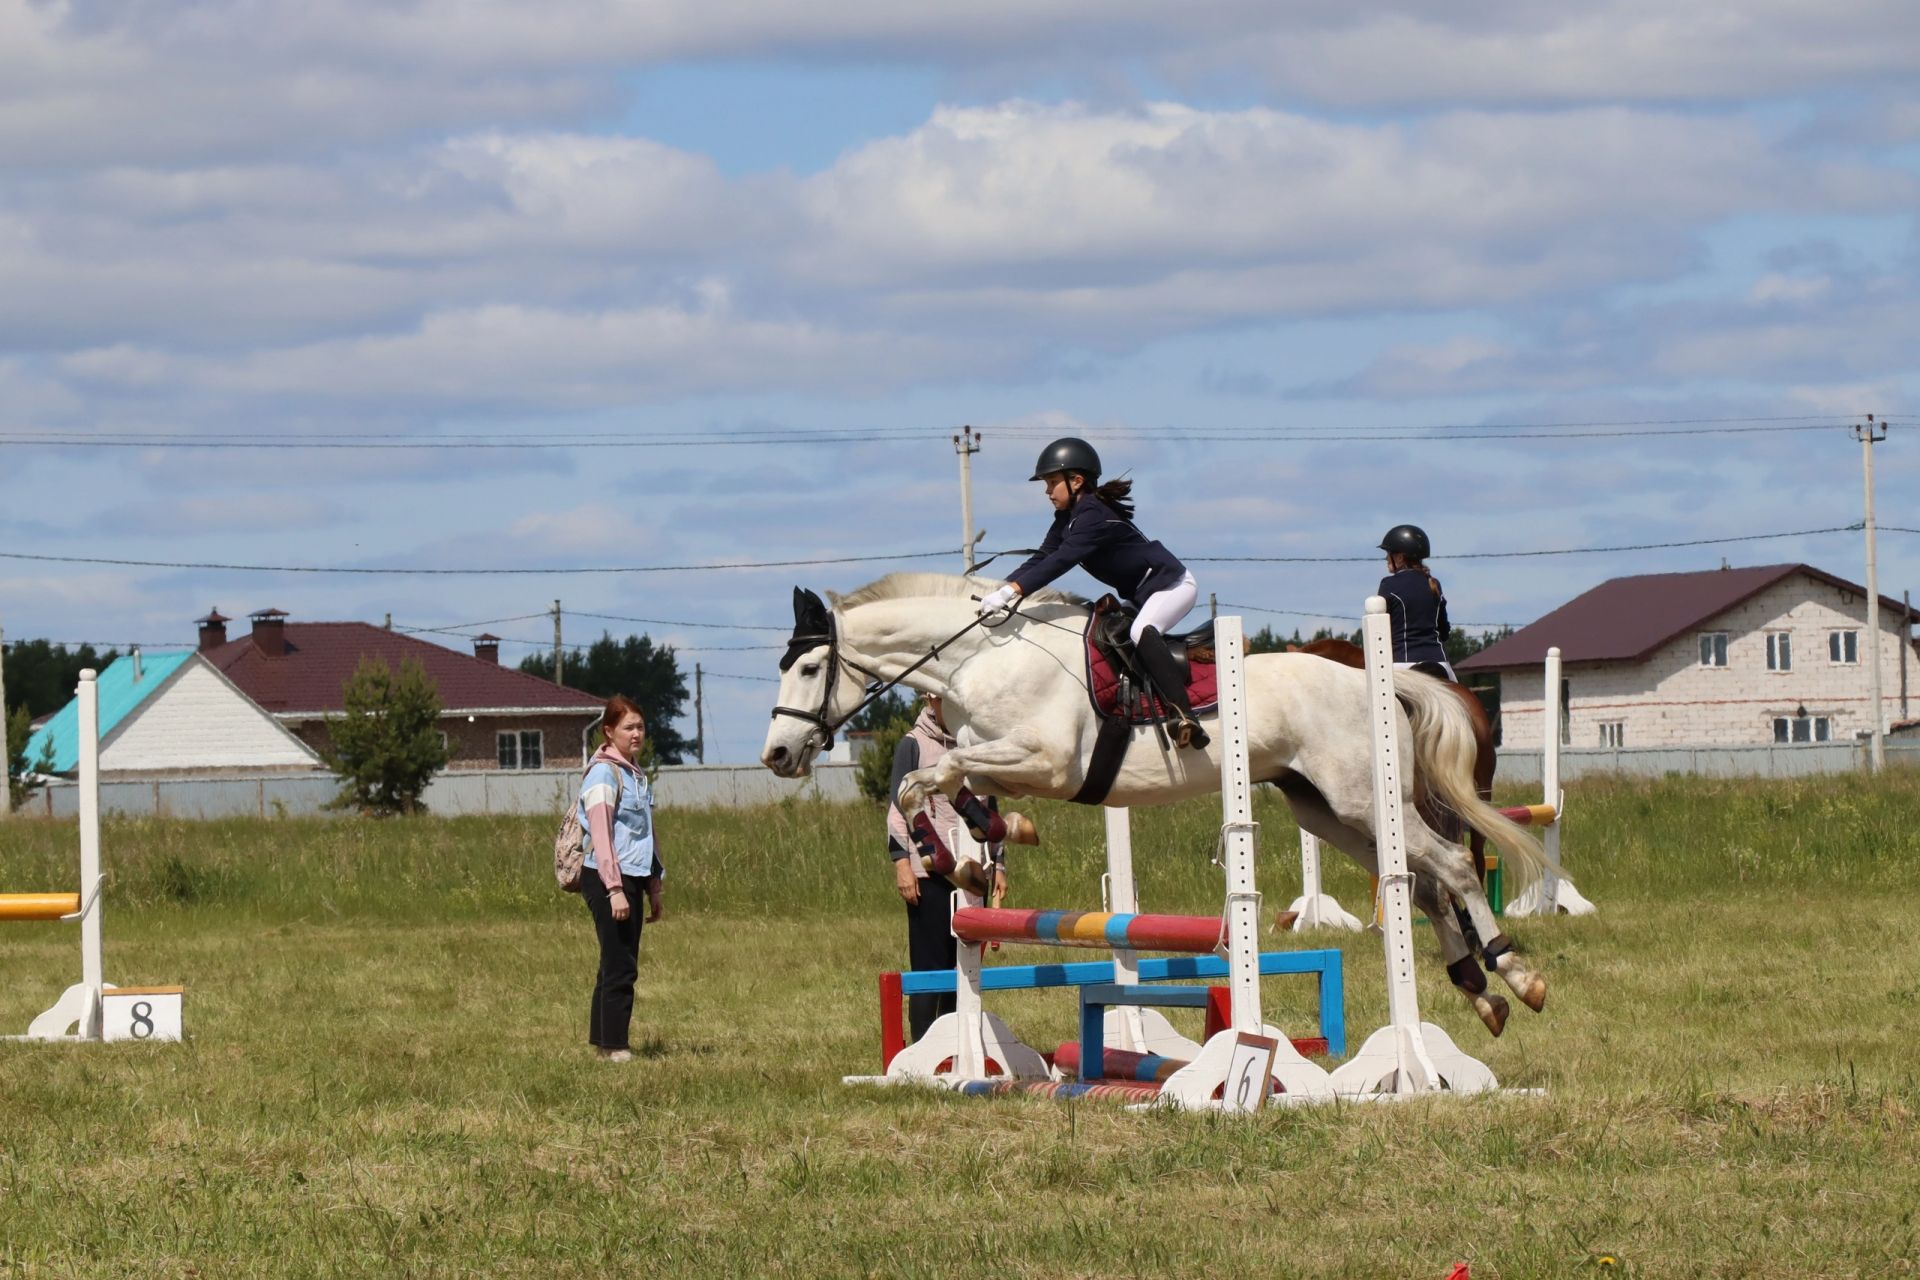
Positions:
(1109, 1090)
(1532, 815)
(39, 906)
(1189, 935)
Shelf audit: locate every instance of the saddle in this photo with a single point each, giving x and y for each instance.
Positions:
(1120, 689)
(1122, 695)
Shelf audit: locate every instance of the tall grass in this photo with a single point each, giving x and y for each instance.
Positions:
(385, 1072)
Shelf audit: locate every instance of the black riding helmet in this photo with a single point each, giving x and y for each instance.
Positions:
(1410, 540)
(1068, 453)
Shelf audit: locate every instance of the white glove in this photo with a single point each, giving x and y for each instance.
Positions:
(1001, 597)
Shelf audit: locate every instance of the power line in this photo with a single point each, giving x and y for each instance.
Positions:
(653, 568)
(1349, 616)
(759, 437)
(675, 622)
(1557, 551)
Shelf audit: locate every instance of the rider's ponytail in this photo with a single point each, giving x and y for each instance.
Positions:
(1115, 493)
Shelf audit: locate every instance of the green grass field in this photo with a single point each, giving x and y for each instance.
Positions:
(386, 1070)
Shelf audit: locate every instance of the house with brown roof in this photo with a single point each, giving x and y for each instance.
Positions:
(1727, 657)
(493, 717)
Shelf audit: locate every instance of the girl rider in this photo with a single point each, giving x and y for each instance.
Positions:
(1415, 604)
(1093, 528)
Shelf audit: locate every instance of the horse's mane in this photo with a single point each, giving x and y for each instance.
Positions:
(901, 586)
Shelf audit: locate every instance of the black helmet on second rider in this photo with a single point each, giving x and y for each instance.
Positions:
(1410, 540)
(1068, 453)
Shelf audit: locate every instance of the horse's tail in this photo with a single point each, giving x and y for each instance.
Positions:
(1444, 749)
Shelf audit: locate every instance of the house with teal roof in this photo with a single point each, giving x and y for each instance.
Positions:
(172, 713)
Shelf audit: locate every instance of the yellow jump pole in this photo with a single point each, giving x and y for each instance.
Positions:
(38, 906)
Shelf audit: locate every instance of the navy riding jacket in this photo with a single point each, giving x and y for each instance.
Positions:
(1091, 534)
(1419, 615)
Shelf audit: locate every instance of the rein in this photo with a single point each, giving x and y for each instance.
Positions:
(875, 688)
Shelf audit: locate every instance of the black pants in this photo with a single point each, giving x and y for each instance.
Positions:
(931, 945)
(611, 1014)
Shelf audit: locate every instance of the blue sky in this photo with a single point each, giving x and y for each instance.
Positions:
(633, 230)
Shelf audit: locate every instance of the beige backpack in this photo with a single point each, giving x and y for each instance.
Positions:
(570, 846)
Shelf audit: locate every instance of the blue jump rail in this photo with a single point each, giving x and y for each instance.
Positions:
(1026, 977)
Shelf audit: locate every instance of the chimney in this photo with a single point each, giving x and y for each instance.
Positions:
(134, 653)
(270, 632)
(213, 630)
(487, 648)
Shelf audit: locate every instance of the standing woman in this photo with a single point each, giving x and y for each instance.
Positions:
(1093, 528)
(623, 861)
(1416, 606)
(915, 843)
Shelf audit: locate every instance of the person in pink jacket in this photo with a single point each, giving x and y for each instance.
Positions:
(622, 862)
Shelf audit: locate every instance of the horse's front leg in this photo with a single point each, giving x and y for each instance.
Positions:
(1022, 763)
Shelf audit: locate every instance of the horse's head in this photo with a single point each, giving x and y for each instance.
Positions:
(816, 690)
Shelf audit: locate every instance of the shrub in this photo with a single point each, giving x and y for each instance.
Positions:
(387, 746)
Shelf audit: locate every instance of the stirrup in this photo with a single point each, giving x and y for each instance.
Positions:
(1189, 733)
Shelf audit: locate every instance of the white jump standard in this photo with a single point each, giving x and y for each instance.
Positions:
(1407, 1057)
(1553, 893)
(91, 1009)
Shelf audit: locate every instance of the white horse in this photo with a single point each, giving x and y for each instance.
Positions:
(1014, 694)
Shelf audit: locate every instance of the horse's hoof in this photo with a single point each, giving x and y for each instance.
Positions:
(1522, 981)
(1493, 1011)
(1020, 829)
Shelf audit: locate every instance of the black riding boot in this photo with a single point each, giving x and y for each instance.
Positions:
(1167, 682)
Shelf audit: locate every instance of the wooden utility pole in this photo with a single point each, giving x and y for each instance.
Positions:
(699, 718)
(1868, 434)
(558, 677)
(966, 444)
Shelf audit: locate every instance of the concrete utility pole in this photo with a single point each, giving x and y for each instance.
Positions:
(966, 444)
(6, 783)
(699, 718)
(558, 678)
(1868, 434)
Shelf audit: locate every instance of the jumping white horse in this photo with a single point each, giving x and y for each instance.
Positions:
(1014, 694)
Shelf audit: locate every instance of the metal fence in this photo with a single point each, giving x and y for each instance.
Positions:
(1798, 761)
(738, 786)
(480, 791)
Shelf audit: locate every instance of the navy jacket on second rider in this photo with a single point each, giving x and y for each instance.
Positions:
(1419, 616)
(1092, 534)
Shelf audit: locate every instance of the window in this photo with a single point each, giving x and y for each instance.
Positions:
(1613, 733)
(522, 750)
(1713, 648)
(1779, 651)
(1802, 729)
(1843, 646)
(1566, 713)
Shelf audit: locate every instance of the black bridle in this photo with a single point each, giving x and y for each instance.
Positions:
(813, 625)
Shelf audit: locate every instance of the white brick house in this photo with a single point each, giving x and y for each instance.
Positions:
(1729, 657)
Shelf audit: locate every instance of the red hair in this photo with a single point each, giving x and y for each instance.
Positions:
(617, 708)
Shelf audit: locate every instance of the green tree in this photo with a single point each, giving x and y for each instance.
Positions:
(646, 672)
(18, 728)
(41, 676)
(387, 746)
(888, 720)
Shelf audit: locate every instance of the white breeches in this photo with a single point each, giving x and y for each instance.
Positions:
(1164, 609)
(1444, 666)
